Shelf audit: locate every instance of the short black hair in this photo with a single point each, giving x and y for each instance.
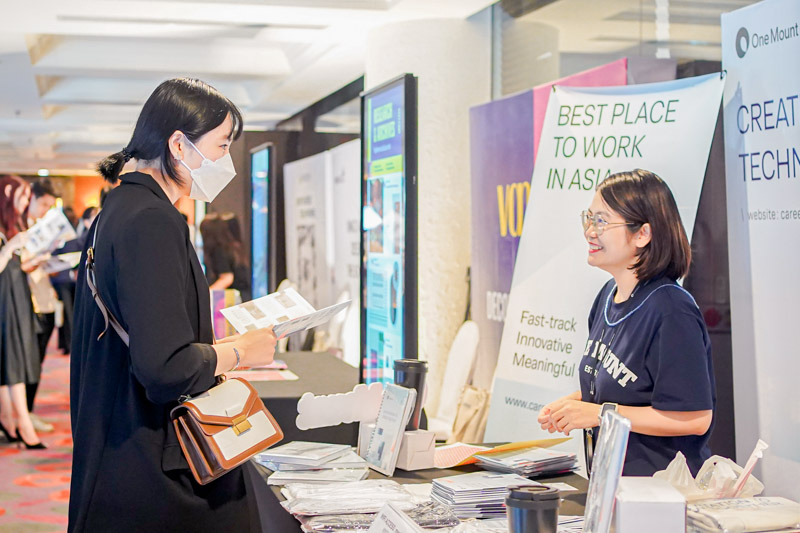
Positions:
(641, 197)
(180, 104)
(89, 212)
(43, 187)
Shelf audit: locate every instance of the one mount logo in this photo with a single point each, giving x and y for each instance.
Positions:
(744, 40)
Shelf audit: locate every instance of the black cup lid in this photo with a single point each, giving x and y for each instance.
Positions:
(410, 364)
(536, 492)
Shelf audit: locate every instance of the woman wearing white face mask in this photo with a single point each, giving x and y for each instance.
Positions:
(129, 473)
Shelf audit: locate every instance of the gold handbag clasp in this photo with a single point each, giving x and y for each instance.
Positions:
(241, 424)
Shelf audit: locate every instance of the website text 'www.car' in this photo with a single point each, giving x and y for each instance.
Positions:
(521, 403)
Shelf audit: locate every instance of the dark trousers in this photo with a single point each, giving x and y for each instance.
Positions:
(46, 324)
(66, 293)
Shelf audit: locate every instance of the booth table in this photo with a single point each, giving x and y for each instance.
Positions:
(572, 503)
(323, 373)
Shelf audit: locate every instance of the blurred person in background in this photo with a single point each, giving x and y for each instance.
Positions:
(64, 281)
(224, 255)
(19, 360)
(69, 212)
(45, 299)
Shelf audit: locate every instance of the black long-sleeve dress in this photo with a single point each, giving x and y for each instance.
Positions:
(19, 355)
(128, 471)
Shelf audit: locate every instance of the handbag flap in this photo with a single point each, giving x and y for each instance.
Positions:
(223, 405)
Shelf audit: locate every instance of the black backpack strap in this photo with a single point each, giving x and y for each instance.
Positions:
(108, 316)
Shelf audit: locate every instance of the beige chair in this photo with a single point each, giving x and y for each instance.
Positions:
(456, 376)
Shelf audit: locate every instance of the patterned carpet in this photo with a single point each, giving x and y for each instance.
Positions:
(34, 484)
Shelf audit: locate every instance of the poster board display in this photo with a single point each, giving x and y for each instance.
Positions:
(345, 207)
(260, 171)
(760, 51)
(553, 287)
(503, 137)
(388, 227)
(305, 185)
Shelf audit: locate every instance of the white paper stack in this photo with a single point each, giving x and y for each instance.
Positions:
(478, 494)
(308, 454)
(313, 462)
(334, 475)
(349, 460)
(529, 462)
(742, 515)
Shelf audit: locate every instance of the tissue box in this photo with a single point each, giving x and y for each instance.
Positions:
(417, 450)
(648, 504)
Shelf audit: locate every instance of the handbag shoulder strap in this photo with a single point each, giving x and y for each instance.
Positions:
(108, 316)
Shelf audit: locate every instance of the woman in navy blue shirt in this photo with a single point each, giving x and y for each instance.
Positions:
(648, 355)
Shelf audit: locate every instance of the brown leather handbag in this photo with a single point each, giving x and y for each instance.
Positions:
(219, 429)
(222, 428)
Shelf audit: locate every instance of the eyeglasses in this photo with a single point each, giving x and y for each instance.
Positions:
(599, 224)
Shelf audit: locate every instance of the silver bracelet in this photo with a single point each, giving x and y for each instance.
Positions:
(238, 360)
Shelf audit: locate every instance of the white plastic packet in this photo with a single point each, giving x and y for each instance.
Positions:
(716, 479)
(366, 496)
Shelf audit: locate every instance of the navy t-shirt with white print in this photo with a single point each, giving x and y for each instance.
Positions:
(659, 356)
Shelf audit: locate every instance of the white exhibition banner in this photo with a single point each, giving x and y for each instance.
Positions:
(345, 233)
(322, 199)
(305, 183)
(588, 134)
(761, 53)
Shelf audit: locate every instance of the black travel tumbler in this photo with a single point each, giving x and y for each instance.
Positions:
(410, 373)
(532, 509)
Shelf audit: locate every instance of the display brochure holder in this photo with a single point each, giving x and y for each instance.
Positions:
(395, 411)
(609, 458)
(417, 451)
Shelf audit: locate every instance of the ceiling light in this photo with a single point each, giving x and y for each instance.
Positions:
(43, 172)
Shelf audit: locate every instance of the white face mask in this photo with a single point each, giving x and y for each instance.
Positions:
(211, 177)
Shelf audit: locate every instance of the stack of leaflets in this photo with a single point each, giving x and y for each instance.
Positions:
(313, 462)
(529, 462)
(478, 494)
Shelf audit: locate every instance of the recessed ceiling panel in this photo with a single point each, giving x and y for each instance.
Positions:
(380, 5)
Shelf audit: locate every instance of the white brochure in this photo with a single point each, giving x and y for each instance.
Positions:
(384, 443)
(392, 520)
(286, 311)
(58, 263)
(49, 230)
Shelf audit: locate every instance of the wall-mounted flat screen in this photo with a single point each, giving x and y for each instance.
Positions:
(389, 227)
(259, 222)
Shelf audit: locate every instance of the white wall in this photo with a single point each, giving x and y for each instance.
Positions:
(451, 58)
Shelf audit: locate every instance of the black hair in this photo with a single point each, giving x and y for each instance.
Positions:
(43, 187)
(641, 197)
(183, 104)
(88, 213)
